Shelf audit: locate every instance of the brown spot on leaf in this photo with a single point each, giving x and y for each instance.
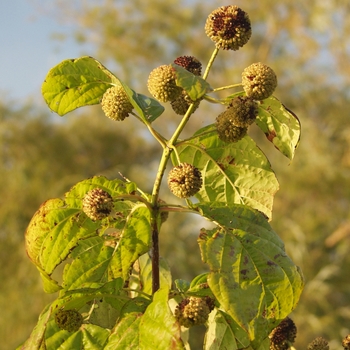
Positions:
(271, 135)
(246, 260)
(221, 166)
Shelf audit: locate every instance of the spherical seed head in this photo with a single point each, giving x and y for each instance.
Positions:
(193, 311)
(318, 344)
(184, 180)
(69, 320)
(190, 63)
(229, 27)
(346, 342)
(259, 81)
(227, 130)
(180, 105)
(115, 103)
(283, 335)
(97, 204)
(162, 85)
(244, 111)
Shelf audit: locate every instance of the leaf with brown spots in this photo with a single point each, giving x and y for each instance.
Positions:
(251, 275)
(280, 125)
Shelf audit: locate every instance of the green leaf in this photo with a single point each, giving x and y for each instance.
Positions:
(74, 83)
(91, 260)
(59, 226)
(280, 125)
(145, 265)
(125, 335)
(36, 338)
(158, 326)
(199, 286)
(135, 241)
(251, 276)
(96, 261)
(233, 173)
(49, 284)
(53, 231)
(195, 86)
(147, 108)
(115, 188)
(181, 285)
(89, 336)
(76, 299)
(94, 337)
(219, 335)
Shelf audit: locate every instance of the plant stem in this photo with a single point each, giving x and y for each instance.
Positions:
(210, 63)
(167, 148)
(227, 87)
(154, 226)
(155, 257)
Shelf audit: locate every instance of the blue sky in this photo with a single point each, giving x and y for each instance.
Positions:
(27, 48)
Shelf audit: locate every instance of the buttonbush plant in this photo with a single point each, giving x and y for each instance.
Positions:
(116, 292)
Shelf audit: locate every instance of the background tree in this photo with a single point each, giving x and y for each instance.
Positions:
(307, 44)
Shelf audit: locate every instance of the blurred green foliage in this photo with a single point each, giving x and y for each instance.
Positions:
(306, 43)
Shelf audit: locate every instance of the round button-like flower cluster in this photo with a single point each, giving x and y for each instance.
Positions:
(97, 204)
(184, 180)
(194, 311)
(318, 343)
(69, 320)
(115, 103)
(346, 342)
(229, 27)
(259, 81)
(243, 111)
(190, 63)
(180, 104)
(162, 84)
(283, 336)
(232, 124)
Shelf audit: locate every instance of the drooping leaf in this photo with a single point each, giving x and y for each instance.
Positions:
(233, 173)
(158, 326)
(280, 125)
(251, 276)
(195, 86)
